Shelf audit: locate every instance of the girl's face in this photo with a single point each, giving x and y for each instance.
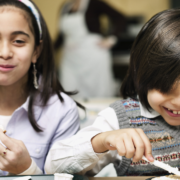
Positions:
(17, 46)
(167, 105)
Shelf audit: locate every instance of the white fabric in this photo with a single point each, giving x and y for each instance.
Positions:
(32, 170)
(146, 113)
(4, 120)
(76, 155)
(85, 66)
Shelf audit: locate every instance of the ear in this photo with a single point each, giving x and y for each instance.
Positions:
(37, 52)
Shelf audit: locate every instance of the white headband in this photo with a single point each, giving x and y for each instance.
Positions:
(30, 5)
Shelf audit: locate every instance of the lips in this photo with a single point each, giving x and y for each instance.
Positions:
(173, 113)
(6, 68)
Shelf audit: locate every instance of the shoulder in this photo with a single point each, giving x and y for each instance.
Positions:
(126, 108)
(126, 103)
(108, 113)
(55, 105)
(54, 99)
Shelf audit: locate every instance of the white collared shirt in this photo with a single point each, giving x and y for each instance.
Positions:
(76, 155)
(146, 113)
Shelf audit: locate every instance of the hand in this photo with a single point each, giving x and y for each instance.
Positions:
(128, 142)
(16, 158)
(107, 43)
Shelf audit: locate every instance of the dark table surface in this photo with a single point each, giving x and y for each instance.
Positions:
(78, 177)
(42, 177)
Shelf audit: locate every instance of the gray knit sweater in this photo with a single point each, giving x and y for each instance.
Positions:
(165, 139)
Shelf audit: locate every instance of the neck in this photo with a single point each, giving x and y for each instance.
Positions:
(12, 97)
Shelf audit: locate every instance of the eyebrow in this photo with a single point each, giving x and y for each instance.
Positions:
(20, 32)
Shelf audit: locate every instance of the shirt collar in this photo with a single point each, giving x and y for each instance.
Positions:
(36, 108)
(146, 113)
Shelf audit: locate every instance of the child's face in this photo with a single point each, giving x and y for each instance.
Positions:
(168, 105)
(17, 46)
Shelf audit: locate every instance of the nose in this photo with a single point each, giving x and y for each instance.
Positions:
(5, 51)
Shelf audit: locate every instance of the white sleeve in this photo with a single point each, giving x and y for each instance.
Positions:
(32, 170)
(76, 155)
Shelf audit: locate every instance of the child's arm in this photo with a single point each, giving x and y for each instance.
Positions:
(128, 142)
(79, 154)
(76, 155)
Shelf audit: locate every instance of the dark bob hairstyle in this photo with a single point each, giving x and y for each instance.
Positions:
(155, 57)
(45, 65)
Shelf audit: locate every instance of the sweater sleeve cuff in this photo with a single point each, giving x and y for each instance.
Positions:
(33, 169)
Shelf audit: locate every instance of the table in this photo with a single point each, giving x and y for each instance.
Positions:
(121, 178)
(51, 177)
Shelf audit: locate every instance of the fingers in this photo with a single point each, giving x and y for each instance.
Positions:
(140, 141)
(128, 146)
(121, 141)
(134, 145)
(7, 141)
(2, 128)
(119, 145)
(147, 145)
(7, 158)
(14, 147)
(3, 163)
(3, 152)
(130, 143)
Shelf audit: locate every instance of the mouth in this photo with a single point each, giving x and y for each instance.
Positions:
(6, 68)
(174, 113)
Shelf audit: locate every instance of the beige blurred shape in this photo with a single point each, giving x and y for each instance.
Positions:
(147, 8)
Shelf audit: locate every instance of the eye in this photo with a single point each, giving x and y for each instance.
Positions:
(19, 42)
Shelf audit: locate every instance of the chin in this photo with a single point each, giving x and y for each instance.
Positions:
(174, 122)
(5, 83)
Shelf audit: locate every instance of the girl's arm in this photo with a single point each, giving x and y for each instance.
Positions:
(76, 154)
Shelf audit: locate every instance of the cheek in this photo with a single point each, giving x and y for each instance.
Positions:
(25, 56)
(155, 98)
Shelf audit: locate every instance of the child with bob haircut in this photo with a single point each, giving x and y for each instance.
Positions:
(146, 122)
(34, 108)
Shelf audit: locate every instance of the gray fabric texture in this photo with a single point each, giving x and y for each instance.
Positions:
(165, 140)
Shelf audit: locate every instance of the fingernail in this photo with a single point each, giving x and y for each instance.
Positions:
(150, 158)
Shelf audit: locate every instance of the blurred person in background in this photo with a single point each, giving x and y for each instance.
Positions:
(86, 63)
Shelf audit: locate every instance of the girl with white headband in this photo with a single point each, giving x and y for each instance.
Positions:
(34, 108)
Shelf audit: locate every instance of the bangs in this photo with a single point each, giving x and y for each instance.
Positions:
(155, 57)
(164, 76)
(161, 69)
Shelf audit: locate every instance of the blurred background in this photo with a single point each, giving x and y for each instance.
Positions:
(137, 13)
(132, 15)
(92, 42)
